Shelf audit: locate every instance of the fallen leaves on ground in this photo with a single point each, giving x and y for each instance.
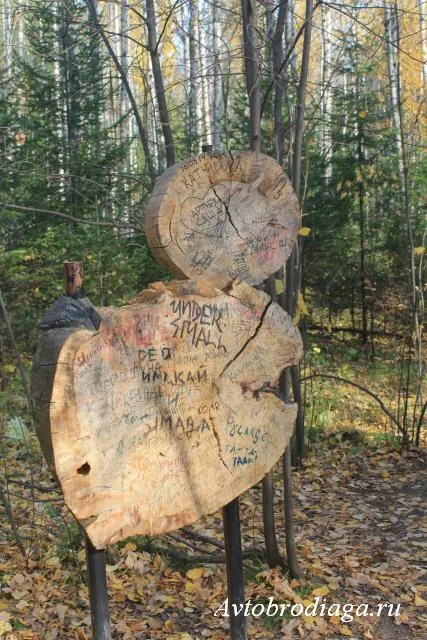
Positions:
(360, 532)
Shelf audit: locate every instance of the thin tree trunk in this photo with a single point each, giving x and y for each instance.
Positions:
(252, 71)
(203, 83)
(6, 62)
(217, 98)
(277, 55)
(193, 121)
(422, 22)
(293, 264)
(289, 299)
(124, 61)
(326, 98)
(300, 109)
(153, 46)
(290, 35)
(390, 24)
(273, 554)
(362, 272)
(253, 90)
(291, 547)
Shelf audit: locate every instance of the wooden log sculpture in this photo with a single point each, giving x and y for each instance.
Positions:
(155, 414)
(225, 216)
(167, 412)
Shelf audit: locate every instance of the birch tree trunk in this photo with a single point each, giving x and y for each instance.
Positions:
(422, 21)
(6, 62)
(203, 81)
(362, 224)
(194, 93)
(217, 94)
(184, 35)
(326, 98)
(289, 35)
(390, 24)
(290, 31)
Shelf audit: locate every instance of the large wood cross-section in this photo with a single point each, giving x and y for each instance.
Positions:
(167, 411)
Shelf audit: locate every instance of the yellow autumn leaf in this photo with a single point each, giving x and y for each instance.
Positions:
(301, 305)
(301, 310)
(130, 546)
(190, 587)
(402, 618)
(304, 231)
(195, 574)
(53, 561)
(9, 368)
(279, 286)
(420, 602)
(345, 630)
(363, 114)
(418, 251)
(320, 591)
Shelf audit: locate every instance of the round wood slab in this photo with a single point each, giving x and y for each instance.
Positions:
(223, 216)
(167, 412)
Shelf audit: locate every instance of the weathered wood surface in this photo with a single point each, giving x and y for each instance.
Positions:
(223, 216)
(167, 412)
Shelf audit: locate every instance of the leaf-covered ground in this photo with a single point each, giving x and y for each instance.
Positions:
(360, 531)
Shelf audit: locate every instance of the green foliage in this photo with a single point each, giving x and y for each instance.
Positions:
(354, 193)
(61, 157)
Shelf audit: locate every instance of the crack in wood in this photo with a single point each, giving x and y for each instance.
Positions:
(227, 211)
(250, 339)
(218, 441)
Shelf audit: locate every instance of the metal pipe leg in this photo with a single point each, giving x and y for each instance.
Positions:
(98, 593)
(234, 564)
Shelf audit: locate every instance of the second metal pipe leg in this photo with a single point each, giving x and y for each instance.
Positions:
(98, 593)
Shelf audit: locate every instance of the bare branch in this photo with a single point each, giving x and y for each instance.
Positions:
(361, 388)
(95, 223)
